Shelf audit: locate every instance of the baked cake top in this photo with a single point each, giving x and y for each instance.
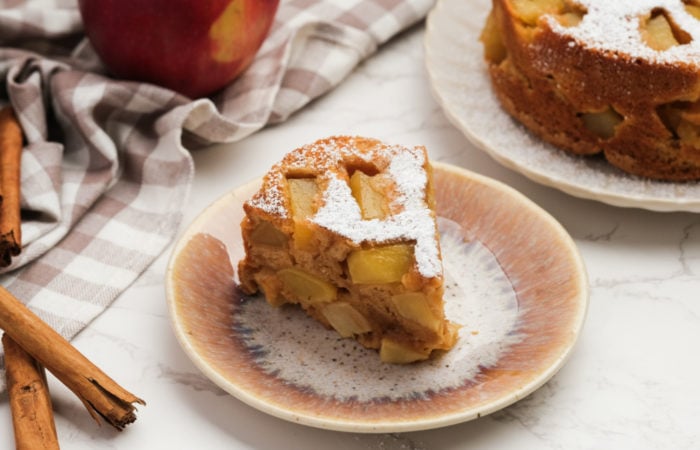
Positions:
(331, 161)
(616, 26)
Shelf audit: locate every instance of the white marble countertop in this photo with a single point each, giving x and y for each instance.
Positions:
(631, 382)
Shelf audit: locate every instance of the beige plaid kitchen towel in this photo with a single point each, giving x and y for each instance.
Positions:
(106, 168)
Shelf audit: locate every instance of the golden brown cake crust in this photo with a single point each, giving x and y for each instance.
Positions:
(560, 86)
(377, 279)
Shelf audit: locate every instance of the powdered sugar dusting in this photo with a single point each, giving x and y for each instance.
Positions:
(614, 25)
(340, 213)
(271, 199)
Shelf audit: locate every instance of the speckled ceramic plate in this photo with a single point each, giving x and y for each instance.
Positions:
(515, 282)
(458, 76)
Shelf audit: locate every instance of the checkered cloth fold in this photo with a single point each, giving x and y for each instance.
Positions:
(106, 164)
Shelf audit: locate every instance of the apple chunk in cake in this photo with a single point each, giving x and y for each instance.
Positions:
(345, 227)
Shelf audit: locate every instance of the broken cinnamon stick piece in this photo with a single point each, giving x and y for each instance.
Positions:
(30, 402)
(101, 395)
(10, 161)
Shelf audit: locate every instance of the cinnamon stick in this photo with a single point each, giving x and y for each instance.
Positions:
(30, 402)
(10, 161)
(101, 395)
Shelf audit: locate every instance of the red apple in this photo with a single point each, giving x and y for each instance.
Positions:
(194, 47)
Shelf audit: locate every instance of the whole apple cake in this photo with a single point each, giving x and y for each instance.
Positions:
(345, 227)
(612, 77)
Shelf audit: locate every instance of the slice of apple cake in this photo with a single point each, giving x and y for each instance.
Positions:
(345, 227)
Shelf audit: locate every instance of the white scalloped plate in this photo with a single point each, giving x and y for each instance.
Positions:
(460, 82)
(515, 282)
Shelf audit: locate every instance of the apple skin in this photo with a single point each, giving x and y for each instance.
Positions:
(194, 47)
